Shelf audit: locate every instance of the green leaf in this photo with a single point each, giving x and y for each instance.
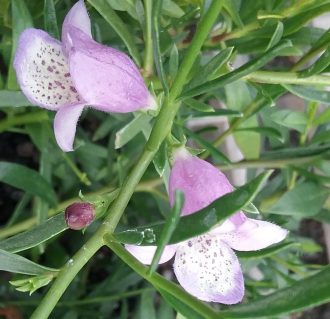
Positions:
(50, 20)
(28, 180)
(105, 10)
(21, 19)
(232, 7)
(266, 252)
(245, 69)
(323, 118)
(305, 199)
(147, 307)
(199, 222)
(210, 70)
(277, 35)
(130, 130)
(309, 94)
(207, 110)
(291, 119)
(267, 131)
(216, 154)
(13, 99)
(36, 235)
(171, 9)
(32, 284)
(179, 306)
(169, 227)
(306, 293)
(173, 62)
(18, 264)
(156, 12)
(320, 64)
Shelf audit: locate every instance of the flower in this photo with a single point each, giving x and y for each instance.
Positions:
(206, 265)
(79, 215)
(69, 75)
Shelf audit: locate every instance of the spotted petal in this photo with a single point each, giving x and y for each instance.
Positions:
(252, 234)
(201, 182)
(65, 124)
(42, 71)
(145, 253)
(208, 269)
(116, 81)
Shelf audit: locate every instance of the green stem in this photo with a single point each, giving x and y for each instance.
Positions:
(159, 132)
(161, 283)
(66, 275)
(286, 78)
(81, 175)
(148, 55)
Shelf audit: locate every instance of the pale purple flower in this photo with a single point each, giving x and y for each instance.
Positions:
(206, 266)
(77, 72)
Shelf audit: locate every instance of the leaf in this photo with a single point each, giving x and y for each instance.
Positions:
(173, 62)
(266, 252)
(179, 306)
(305, 199)
(277, 35)
(105, 10)
(217, 155)
(232, 7)
(171, 9)
(21, 19)
(207, 110)
(245, 69)
(291, 119)
(210, 70)
(147, 307)
(199, 222)
(50, 19)
(13, 98)
(267, 131)
(18, 264)
(169, 227)
(309, 94)
(306, 293)
(130, 130)
(322, 63)
(32, 284)
(28, 180)
(36, 235)
(323, 118)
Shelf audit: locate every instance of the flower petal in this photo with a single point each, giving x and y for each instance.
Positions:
(252, 235)
(145, 253)
(201, 182)
(76, 17)
(209, 270)
(116, 81)
(65, 124)
(42, 70)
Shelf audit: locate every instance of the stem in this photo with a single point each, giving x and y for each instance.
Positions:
(148, 55)
(159, 132)
(66, 275)
(161, 283)
(286, 78)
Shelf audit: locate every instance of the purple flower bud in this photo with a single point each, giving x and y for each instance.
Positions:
(79, 215)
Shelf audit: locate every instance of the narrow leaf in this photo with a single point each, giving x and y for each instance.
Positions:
(13, 99)
(309, 94)
(245, 69)
(18, 264)
(322, 63)
(35, 236)
(28, 180)
(304, 294)
(50, 19)
(277, 35)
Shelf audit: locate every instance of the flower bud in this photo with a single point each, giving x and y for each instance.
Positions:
(79, 215)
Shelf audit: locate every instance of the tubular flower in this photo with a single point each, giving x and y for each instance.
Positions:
(206, 265)
(69, 75)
